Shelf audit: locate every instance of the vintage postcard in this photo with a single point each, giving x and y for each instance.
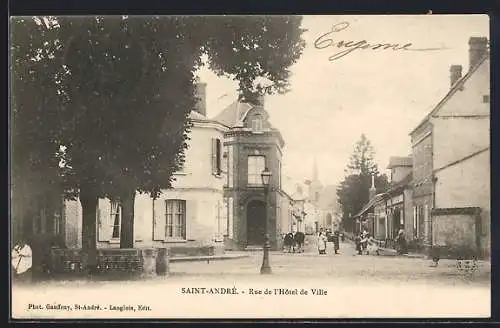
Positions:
(173, 167)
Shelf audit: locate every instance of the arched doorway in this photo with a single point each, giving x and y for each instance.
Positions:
(256, 222)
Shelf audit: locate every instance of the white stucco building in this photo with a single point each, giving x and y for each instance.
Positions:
(192, 212)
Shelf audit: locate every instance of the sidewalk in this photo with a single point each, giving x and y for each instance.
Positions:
(208, 258)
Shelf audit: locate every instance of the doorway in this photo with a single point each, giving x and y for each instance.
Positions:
(256, 222)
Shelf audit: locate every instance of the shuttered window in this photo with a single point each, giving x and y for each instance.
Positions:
(175, 218)
(116, 219)
(216, 156)
(230, 171)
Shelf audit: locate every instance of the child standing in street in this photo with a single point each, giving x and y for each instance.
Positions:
(322, 242)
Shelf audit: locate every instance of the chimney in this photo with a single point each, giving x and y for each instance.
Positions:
(201, 103)
(455, 74)
(478, 47)
(260, 100)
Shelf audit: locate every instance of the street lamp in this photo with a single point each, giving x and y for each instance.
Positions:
(265, 268)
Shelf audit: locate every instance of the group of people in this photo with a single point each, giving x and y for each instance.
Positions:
(366, 243)
(293, 241)
(325, 236)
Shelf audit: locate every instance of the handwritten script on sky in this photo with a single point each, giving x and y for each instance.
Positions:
(325, 41)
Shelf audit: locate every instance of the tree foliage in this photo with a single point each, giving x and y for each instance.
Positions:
(353, 191)
(118, 91)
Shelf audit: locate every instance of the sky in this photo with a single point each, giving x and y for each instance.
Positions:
(381, 93)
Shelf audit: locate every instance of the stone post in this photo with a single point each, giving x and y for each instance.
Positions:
(149, 256)
(162, 261)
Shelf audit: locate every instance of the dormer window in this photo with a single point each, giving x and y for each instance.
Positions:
(257, 123)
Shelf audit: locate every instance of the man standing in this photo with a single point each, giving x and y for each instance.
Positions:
(336, 241)
(22, 261)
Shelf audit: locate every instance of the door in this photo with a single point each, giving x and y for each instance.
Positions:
(256, 222)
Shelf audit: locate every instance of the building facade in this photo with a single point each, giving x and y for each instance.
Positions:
(192, 213)
(451, 150)
(251, 145)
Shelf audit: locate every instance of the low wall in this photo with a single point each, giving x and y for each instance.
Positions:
(456, 233)
(147, 262)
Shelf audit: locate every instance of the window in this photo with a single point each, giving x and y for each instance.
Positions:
(279, 174)
(256, 164)
(216, 156)
(230, 166)
(57, 224)
(257, 123)
(486, 98)
(176, 218)
(116, 219)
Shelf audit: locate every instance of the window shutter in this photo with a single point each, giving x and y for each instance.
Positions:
(159, 219)
(190, 218)
(214, 156)
(104, 219)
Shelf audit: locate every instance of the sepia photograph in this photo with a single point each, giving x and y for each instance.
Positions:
(250, 167)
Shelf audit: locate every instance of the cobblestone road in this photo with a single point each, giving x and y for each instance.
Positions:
(353, 286)
(344, 266)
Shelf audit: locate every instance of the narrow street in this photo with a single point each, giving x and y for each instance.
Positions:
(349, 285)
(346, 266)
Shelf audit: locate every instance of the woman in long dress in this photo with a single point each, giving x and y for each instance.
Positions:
(22, 261)
(322, 242)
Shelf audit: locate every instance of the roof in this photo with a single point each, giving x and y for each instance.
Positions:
(395, 161)
(370, 204)
(194, 116)
(233, 114)
(457, 86)
(401, 184)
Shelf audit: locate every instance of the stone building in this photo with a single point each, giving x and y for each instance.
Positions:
(451, 157)
(252, 144)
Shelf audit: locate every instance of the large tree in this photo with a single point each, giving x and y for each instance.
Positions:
(353, 191)
(128, 88)
(33, 129)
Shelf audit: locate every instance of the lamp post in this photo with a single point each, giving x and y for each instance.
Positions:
(265, 268)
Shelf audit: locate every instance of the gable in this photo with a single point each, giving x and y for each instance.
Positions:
(458, 87)
(468, 98)
(255, 112)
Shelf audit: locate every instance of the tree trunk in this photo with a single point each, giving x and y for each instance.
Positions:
(127, 225)
(89, 201)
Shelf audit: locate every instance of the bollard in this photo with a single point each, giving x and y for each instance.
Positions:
(149, 256)
(162, 261)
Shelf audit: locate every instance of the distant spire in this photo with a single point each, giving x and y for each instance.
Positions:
(315, 170)
(372, 190)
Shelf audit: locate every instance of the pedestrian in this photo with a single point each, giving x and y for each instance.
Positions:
(364, 240)
(373, 247)
(336, 237)
(321, 242)
(401, 242)
(357, 242)
(22, 261)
